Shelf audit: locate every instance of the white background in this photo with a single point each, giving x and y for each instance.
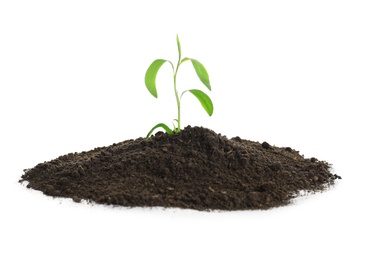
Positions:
(292, 73)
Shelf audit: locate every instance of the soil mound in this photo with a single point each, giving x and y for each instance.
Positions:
(195, 169)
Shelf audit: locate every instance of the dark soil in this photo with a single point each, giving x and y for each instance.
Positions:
(196, 169)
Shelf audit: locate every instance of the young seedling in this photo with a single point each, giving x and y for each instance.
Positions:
(204, 99)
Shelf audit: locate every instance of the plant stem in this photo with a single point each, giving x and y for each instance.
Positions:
(177, 97)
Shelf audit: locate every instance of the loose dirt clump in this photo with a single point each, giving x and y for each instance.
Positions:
(196, 169)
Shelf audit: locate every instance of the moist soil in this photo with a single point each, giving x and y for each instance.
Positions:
(195, 169)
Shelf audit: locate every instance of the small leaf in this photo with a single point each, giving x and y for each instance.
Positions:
(175, 128)
(160, 125)
(204, 100)
(185, 59)
(151, 75)
(201, 72)
(178, 45)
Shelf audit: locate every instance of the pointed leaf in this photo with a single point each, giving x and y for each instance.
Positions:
(201, 72)
(204, 100)
(178, 45)
(151, 75)
(161, 125)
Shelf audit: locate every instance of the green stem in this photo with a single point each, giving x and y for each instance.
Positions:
(177, 97)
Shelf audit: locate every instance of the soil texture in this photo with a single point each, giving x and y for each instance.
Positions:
(195, 169)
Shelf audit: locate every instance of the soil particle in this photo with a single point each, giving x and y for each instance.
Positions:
(265, 145)
(195, 169)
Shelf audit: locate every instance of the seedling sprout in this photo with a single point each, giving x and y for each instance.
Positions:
(204, 99)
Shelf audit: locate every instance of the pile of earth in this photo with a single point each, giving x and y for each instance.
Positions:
(196, 169)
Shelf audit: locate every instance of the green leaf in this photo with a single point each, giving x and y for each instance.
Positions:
(160, 125)
(185, 59)
(175, 127)
(151, 75)
(201, 72)
(178, 45)
(204, 99)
